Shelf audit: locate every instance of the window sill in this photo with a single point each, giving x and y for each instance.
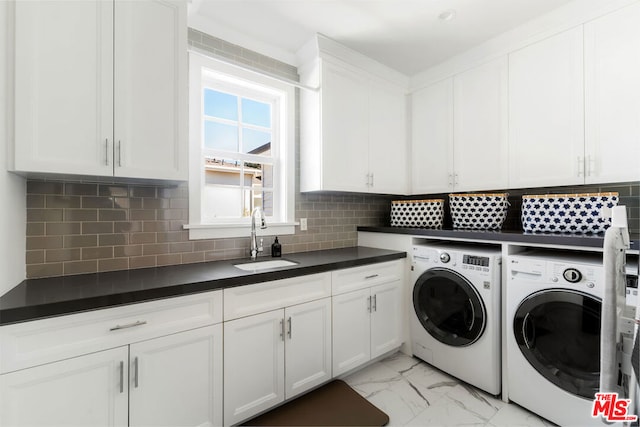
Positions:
(221, 231)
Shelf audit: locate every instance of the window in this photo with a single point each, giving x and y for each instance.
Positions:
(241, 150)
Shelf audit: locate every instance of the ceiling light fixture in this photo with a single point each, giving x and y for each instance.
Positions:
(447, 15)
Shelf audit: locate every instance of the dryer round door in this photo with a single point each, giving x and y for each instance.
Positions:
(558, 332)
(449, 307)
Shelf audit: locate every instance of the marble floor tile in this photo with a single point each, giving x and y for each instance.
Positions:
(413, 393)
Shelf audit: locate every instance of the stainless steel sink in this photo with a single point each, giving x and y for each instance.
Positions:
(263, 265)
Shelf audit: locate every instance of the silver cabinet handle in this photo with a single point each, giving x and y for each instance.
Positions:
(580, 166)
(372, 180)
(375, 304)
(371, 276)
(282, 329)
(450, 180)
(587, 166)
(368, 180)
(119, 154)
(106, 151)
(135, 372)
(369, 304)
(455, 179)
(289, 327)
(129, 325)
(121, 376)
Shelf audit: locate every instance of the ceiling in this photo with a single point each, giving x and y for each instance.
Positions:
(403, 34)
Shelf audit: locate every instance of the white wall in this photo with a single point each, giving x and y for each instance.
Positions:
(13, 210)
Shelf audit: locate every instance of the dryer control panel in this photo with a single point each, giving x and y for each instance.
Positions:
(587, 275)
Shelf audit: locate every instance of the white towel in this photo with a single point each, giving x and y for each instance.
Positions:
(616, 241)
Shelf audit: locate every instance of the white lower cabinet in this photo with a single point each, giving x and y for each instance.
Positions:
(366, 324)
(89, 390)
(176, 380)
(273, 356)
(157, 363)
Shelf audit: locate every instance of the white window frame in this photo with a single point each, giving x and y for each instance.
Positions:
(202, 68)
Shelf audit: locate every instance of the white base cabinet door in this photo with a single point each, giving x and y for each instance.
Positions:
(89, 390)
(176, 380)
(367, 323)
(308, 346)
(351, 330)
(253, 365)
(386, 317)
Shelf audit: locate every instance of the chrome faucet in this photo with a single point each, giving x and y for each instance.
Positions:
(255, 249)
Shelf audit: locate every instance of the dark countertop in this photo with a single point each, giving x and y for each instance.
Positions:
(583, 240)
(39, 298)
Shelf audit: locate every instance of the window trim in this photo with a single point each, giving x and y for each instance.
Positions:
(198, 66)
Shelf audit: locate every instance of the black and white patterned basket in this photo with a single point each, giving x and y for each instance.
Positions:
(417, 213)
(478, 211)
(567, 213)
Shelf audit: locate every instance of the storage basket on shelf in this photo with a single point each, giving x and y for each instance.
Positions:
(417, 213)
(567, 213)
(481, 211)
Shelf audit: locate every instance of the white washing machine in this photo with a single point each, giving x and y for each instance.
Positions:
(455, 321)
(553, 308)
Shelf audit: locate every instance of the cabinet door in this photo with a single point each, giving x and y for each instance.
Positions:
(176, 380)
(546, 112)
(89, 390)
(351, 330)
(386, 318)
(432, 138)
(612, 91)
(480, 131)
(63, 87)
(151, 89)
(387, 139)
(345, 129)
(253, 365)
(308, 346)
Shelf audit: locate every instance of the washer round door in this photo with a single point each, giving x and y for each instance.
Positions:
(449, 307)
(558, 332)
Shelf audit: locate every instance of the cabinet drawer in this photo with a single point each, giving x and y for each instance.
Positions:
(351, 279)
(252, 299)
(47, 340)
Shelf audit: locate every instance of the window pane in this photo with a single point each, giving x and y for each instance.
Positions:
(257, 198)
(222, 172)
(256, 142)
(256, 113)
(221, 202)
(220, 136)
(219, 104)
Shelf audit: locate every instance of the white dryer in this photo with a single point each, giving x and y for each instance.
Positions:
(553, 308)
(455, 320)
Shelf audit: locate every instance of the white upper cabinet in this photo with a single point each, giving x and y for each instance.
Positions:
(459, 132)
(612, 97)
(353, 130)
(480, 130)
(64, 87)
(344, 129)
(546, 112)
(151, 89)
(100, 88)
(387, 139)
(432, 138)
